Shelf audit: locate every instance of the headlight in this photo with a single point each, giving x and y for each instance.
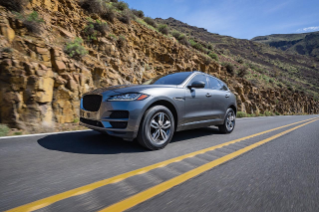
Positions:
(128, 97)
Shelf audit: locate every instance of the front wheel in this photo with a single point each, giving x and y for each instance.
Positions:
(157, 128)
(229, 122)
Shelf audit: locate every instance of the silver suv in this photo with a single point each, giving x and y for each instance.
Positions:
(153, 111)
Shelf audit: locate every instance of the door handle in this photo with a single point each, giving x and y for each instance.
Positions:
(227, 96)
(208, 95)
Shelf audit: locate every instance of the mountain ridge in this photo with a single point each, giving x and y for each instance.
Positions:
(302, 43)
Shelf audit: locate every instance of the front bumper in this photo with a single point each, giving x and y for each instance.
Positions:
(102, 120)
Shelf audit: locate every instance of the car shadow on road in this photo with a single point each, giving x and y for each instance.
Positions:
(95, 143)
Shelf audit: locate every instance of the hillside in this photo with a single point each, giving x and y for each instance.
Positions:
(267, 66)
(52, 52)
(303, 44)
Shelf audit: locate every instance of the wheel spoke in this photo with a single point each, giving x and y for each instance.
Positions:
(154, 124)
(163, 134)
(161, 118)
(156, 135)
(167, 125)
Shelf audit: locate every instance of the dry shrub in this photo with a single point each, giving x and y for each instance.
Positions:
(230, 68)
(120, 5)
(109, 14)
(243, 72)
(138, 13)
(163, 28)
(15, 5)
(121, 42)
(95, 29)
(126, 17)
(95, 6)
(32, 22)
(150, 21)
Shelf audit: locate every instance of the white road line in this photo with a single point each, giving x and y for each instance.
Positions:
(42, 134)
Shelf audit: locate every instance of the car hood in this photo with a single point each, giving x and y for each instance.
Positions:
(127, 89)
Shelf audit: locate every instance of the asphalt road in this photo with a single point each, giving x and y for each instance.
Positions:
(281, 175)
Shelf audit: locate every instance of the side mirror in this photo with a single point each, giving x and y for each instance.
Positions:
(197, 84)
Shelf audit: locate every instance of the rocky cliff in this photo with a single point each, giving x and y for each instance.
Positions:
(41, 85)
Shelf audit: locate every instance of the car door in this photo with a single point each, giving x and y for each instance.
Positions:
(219, 98)
(197, 102)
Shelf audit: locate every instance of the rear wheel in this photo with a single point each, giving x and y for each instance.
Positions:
(157, 128)
(229, 122)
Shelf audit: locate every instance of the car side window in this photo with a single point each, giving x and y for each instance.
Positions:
(223, 86)
(214, 84)
(201, 78)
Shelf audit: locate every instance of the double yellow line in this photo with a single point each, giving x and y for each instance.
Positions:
(151, 192)
(160, 188)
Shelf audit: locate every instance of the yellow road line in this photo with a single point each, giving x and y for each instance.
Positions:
(90, 187)
(160, 188)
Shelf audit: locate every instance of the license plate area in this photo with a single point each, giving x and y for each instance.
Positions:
(88, 115)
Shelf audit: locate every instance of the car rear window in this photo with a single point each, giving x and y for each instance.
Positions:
(171, 79)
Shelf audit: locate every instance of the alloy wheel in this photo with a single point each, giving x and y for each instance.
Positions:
(230, 121)
(160, 128)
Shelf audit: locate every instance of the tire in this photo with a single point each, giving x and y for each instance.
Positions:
(157, 128)
(229, 122)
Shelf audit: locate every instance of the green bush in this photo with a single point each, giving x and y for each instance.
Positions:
(176, 34)
(195, 45)
(213, 56)
(32, 21)
(138, 13)
(241, 114)
(277, 113)
(75, 49)
(112, 37)
(163, 28)
(120, 5)
(17, 133)
(15, 5)
(267, 113)
(4, 130)
(96, 28)
(150, 21)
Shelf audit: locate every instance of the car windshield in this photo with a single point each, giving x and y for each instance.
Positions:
(171, 79)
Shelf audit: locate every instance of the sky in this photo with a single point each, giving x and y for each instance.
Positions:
(243, 19)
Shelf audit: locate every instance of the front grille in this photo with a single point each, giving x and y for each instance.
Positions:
(118, 125)
(119, 115)
(91, 122)
(92, 102)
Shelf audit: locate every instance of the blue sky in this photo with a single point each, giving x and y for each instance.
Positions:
(238, 18)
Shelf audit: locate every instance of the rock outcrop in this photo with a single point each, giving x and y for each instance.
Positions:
(40, 85)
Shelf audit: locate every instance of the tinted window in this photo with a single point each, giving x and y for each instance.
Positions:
(171, 79)
(223, 86)
(200, 78)
(214, 84)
